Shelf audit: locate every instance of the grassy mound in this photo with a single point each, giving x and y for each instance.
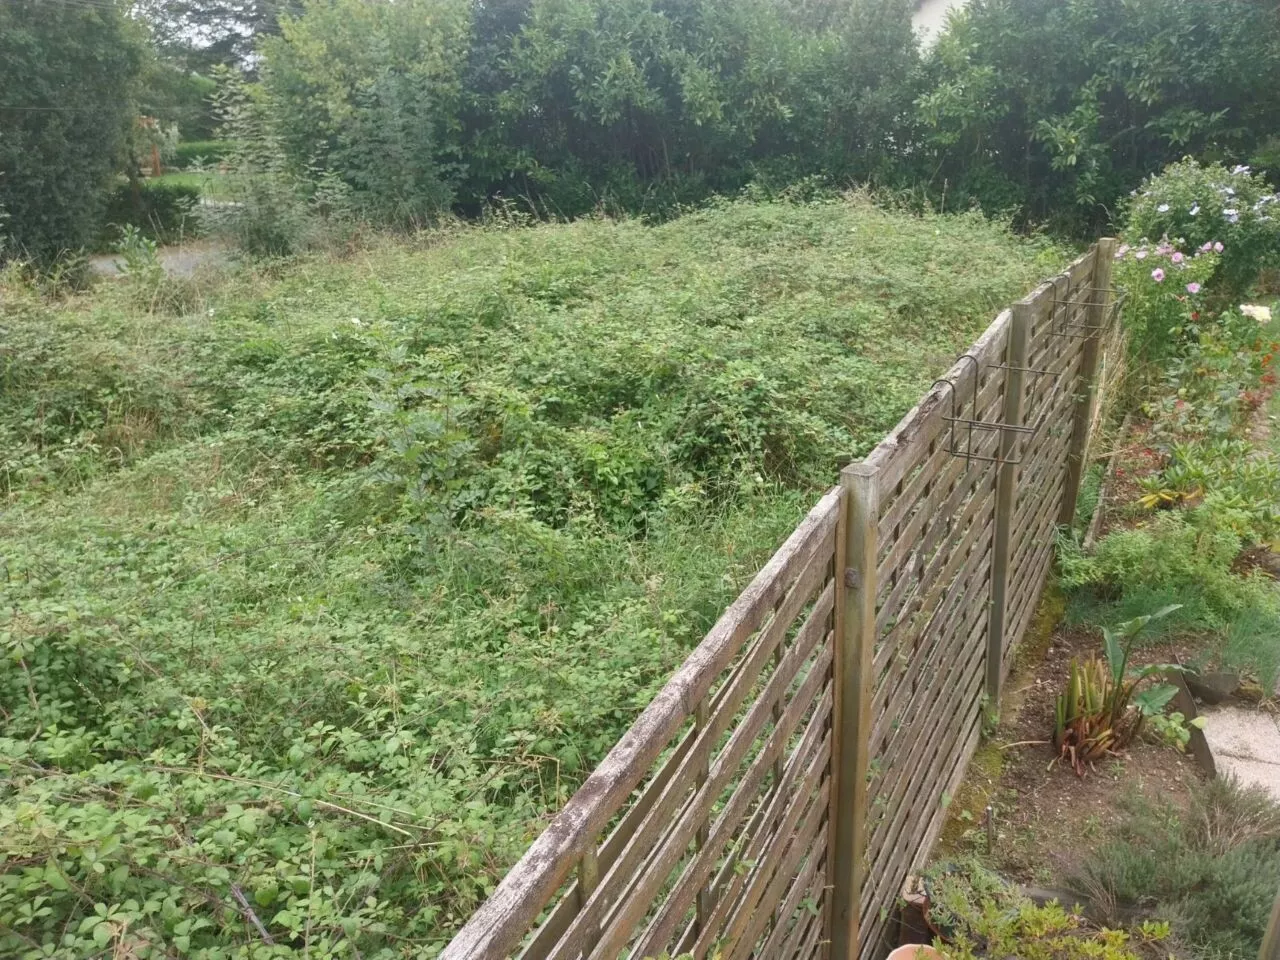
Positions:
(323, 588)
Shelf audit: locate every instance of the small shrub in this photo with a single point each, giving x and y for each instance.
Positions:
(196, 153)
(980, 915)
(1213, 870)
(1163, 288)
(1103, 707)
(1196, 204)
(161, 211)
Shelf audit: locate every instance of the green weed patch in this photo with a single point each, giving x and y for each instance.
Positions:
(321, 590)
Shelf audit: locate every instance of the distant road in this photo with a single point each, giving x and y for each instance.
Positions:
(931, 16)
(178, 261)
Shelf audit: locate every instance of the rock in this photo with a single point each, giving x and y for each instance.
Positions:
(1213, 687)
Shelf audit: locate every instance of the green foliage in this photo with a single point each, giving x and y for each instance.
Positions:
(385, 124)
(983, 916)
(68, 72)
(1105, 703)
(269, 209)
(1060, 109)
(325, 587)
(179, 97)
(1198, 206)
(194, 153)
(162, 210)
(1157, 280)
(1213, 869)
(1200, 372)
(573, 105)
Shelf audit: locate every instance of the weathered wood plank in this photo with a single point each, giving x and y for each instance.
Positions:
(663, 926)
(861, 485)
(1087, 387)
(751, 883)
(973, 584)
(497, 928)
(915, 808)
(630, 909)
(934, 702)
(680, 766)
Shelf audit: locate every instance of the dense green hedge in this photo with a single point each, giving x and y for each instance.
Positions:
(67, 75)
(162, 211)
(207, 151)
(566, 106)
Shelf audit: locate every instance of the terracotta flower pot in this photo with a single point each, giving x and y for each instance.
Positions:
(916, 951)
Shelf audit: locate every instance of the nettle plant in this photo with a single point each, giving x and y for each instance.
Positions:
(1106, 703)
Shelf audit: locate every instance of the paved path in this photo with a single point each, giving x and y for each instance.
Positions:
(1245, 742)
(179, 261)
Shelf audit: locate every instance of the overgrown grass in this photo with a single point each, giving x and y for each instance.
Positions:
(325, 585)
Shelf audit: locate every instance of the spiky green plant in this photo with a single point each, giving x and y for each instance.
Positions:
(1102, 708)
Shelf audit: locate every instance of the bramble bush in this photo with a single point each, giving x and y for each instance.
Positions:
(324, 586)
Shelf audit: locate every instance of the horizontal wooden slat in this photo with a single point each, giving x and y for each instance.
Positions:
(677, 837)
(742, 892)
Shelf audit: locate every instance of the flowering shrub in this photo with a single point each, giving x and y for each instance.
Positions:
(1192, 205)
(1164, 290)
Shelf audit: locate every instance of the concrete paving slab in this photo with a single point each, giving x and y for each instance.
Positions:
(1245, 743)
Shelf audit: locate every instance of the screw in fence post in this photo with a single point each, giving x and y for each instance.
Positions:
(1006, 489)
(851, 745)
(1087, 387)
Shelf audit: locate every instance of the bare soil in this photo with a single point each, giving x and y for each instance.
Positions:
(1047, 819)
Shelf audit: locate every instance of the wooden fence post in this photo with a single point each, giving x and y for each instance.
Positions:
(854, 685)
(1271, 939)
(1006, 488)
(1099, 299)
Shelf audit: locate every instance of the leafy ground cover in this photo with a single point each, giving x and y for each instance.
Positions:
(324, 584)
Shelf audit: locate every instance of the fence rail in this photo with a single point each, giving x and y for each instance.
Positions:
(772, 798)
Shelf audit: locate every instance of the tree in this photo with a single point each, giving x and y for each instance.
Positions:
(202, 34)
(369, 92)
(68, 72)
(1059, 108)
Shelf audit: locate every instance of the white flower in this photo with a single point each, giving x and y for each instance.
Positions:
(1255, 312)
(1240, 169)
(1163, 208)
(1195, 208)
(357, 322)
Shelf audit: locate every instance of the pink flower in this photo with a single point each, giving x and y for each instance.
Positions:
(1141, 254)
(1217, 247)
(1207, 247)
(1157, 275)
(1193, 288)
(1177, 258)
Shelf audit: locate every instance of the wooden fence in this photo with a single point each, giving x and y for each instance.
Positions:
(772, 798)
